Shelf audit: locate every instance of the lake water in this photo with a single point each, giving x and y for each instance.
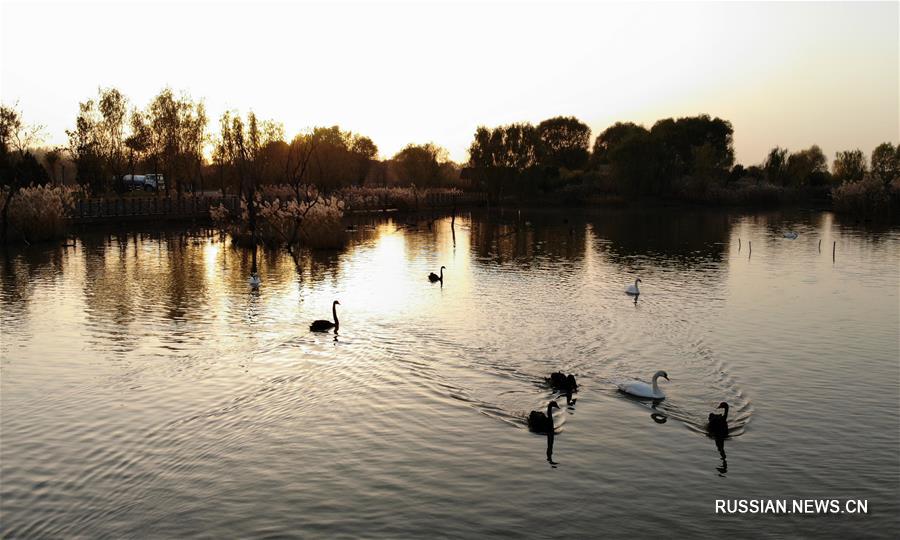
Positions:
(148, 391)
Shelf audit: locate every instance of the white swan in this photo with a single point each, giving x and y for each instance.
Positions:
(644, 390)
(633, 289)
(791, 235)
(254, 280)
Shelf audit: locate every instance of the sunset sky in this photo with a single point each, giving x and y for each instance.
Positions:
(784, 74)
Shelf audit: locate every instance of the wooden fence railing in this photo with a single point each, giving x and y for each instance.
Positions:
(102, 208)
(197, 207)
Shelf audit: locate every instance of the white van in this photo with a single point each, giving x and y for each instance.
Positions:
(134, 181)
(154, 181)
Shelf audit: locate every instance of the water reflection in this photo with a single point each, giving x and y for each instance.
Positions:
(519, 240)
(722, 468)
(670, 236)
(550, 449)
(164, 360)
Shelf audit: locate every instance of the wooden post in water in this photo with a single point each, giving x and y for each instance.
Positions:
(453, 222)
(833, 248)
(820, 245)
(750, 244)
(739, 244)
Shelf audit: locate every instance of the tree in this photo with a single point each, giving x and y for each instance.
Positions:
(331, 158)
(84, 147)
(178, 133)
(296, 168)
(807, 168)
(52, 158)
(706, 167)
(420, 164)
(246, 148)
(886, 163)
(112, 106)
(775, 166)
(138, 143)
(364, 152)
(849, 166)
(18, 166)
(737, 173)
(696, 146)
(97, 144)
(564, 142)
(678, 139)
(241, 148)
(514, 146)
(610, 138)
(332, 164)
(635, 163)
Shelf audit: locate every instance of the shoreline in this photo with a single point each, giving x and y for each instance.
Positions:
(113, 225)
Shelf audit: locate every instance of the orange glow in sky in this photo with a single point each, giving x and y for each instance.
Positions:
(785, 74)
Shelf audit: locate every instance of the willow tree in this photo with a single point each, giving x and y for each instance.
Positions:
(97, 143)
(421, 164)
(849, 166)
(177, 126)
(502, 155)
(886, 163)
(330, 158)
(138, 142)
(240, 148)
(565, 142)
(18, 166)
(52, 158)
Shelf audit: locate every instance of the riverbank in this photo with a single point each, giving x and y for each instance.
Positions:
(65, 209)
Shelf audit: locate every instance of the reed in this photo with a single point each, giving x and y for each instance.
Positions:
(401, 198)
(313, 223)
(38, 213)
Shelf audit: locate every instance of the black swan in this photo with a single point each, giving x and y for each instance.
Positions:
(718, 423)
(324, 326)
(540, 422)
(432, 277)
(561, 381)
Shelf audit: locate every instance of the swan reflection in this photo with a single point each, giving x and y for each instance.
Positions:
(717, 428)
(550, 449)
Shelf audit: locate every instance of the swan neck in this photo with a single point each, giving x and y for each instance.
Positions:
(655, 385)
(334, 314)
(725, 414)
(442, 273)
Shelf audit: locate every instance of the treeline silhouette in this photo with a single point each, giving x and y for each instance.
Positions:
(690, 159)
(686, 159)
(112, 139)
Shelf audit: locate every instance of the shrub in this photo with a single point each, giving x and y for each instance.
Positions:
(742, 192)
(866, 197)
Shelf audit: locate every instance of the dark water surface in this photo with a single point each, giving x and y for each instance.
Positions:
(148, 391)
